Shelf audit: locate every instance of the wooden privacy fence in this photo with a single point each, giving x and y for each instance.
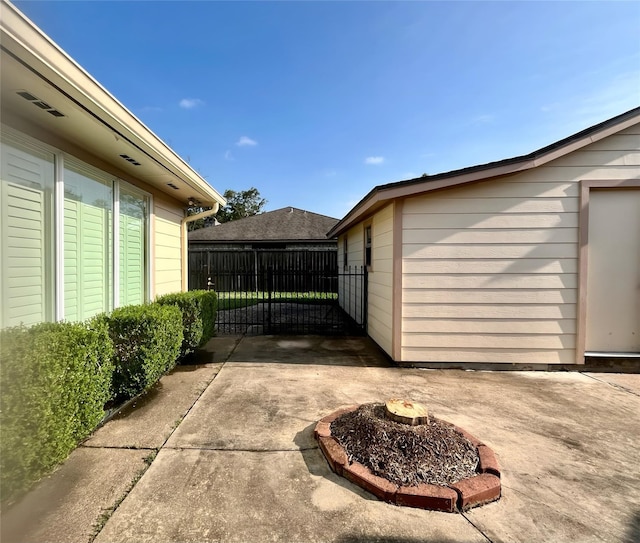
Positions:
(245, 270)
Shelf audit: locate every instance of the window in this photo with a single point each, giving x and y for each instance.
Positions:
(26, 220)
(74, 241)
(88, 234)
(133, 234)
(367, 246)
(345, 251)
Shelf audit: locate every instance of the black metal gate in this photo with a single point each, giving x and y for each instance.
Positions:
(303, 293)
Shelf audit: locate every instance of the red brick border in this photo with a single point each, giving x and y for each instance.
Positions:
(474, 491)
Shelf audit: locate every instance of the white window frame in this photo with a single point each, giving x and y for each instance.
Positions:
(57, 239)
(368, 262)
(118, 183)
(15, 137)
(100, 176)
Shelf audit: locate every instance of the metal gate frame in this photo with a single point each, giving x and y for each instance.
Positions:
(287, 301)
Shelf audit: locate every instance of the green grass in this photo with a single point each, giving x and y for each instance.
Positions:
(106, 513)
(235, 300)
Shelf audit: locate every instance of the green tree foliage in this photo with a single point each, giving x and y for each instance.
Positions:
(241, 204)
(200, 223)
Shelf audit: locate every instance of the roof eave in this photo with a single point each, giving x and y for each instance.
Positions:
(26, 41)
(247, 241)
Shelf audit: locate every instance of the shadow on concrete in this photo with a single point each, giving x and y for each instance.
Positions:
(633, 535)
(355, 538)
(309, 350)
(317, 464)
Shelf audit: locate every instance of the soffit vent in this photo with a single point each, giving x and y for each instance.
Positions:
(172, 186)
(131, 160)
(40, 103)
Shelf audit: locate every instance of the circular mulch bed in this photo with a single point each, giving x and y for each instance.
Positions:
(432, 453)
(436, 466)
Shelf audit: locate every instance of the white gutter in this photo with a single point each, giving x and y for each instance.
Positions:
(185, 241)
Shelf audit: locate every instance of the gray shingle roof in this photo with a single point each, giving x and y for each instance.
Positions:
(288, 223)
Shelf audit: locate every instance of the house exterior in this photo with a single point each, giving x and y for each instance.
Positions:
(533, 260)
(287, 239)
(92, 203)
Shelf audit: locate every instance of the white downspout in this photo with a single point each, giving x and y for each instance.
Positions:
(185, 241)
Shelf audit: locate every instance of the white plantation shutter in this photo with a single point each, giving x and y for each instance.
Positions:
(58, 238)
(72, 277)
(26, 196)
(88, 202)
(133, 212)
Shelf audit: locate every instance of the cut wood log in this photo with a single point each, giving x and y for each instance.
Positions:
(406, 412)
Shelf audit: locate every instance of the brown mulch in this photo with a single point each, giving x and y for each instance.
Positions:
(433, 453)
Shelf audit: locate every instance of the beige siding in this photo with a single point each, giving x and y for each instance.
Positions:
(380, 277)
(355, 238)
(380, 297)
(350, 286)
(490, 271)
(167, 248)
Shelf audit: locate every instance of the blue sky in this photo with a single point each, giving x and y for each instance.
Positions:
(315, 103)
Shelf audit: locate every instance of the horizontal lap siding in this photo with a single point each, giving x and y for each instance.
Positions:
(380, 301)
(350, 294)
(490, 271)
(167, 248)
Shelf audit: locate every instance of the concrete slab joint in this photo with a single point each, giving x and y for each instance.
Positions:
(482, 488)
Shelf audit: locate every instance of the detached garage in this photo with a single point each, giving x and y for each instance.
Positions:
(533, 260)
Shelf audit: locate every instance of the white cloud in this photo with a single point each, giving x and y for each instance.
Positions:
(228, 155)
(245, 141)
(550, 107)
(483, 119)
(374, 160)
(190, 103)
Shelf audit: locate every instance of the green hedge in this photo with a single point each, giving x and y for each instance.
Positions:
(146, 340)
(209, 308)
(55, 380)
(198, 309)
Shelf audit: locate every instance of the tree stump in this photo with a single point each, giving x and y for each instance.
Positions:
(406, 412)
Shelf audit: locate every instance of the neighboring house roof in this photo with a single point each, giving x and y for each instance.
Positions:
(382, 194)
(286, 224)
(82, 112)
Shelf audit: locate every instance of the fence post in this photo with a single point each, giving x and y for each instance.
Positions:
(365, 297)
(255, 268)
(269, 290)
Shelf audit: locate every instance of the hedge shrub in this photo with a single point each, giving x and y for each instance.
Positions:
(55, 379)
(146, 340)
(209, 307)
(198, 309)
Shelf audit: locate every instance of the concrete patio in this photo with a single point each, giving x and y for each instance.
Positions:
(224, 451)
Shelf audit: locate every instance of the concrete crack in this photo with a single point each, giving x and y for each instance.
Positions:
(107, 513)
(612, 385)
(476, 527)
